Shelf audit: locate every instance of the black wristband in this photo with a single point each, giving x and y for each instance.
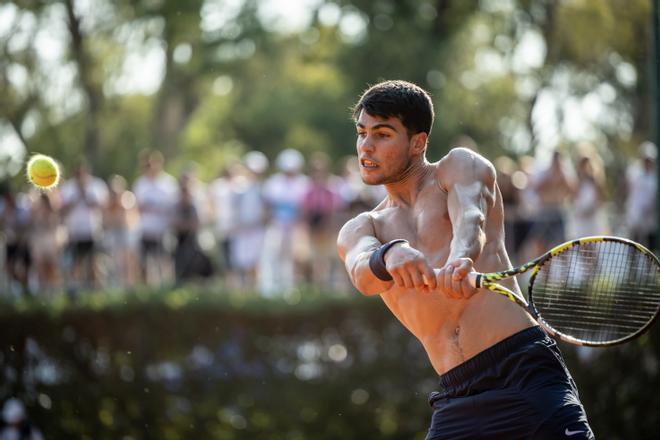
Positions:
(377, 260)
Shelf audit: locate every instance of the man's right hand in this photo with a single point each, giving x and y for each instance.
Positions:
(410, 268)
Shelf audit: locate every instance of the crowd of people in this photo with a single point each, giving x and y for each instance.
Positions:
(268, 229)
(255, 227)
(570, 198)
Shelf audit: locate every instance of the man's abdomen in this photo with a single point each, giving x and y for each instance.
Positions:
(484, 320)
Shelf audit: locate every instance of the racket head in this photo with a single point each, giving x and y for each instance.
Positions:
(596, 291)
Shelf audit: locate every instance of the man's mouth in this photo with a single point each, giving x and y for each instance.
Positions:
(366, 163)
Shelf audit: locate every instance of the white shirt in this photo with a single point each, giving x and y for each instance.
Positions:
(640, 205)
(249, 205)
(220, 191)
(285, 195)
(156, 198)
(84, 220)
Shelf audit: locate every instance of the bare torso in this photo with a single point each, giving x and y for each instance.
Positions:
(451, 330)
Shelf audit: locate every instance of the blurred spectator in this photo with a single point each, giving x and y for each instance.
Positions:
(156, 194)
(202, 199)
(527, 206)
(284, 192)
(588, 214)
(45, 241)
(220, 192)
(250, 213)
(355, 195)
(199, 192)
(16, 425)
(15, 221)
(320, 205)
(118, 220)
(351, 187)
(506, 169)
(83, 199)
(641, 180)
(190, 262)
(552, 188)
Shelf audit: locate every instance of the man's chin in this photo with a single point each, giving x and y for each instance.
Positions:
(371, 180)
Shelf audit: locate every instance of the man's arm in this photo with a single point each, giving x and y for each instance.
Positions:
(408, 267)
(355, 244)
(470, 183)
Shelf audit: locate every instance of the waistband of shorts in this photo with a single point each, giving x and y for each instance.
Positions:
(491, 356)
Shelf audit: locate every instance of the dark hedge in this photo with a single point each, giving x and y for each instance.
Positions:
(183, 364)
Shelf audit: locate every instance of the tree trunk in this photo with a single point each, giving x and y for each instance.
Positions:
(175, 105)
(92, 90)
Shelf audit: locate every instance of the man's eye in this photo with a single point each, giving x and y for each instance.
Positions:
(361, 133)
(383, 135)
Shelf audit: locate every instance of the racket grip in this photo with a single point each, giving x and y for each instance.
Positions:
(474, 278)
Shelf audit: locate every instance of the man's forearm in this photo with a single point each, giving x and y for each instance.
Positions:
(469, 237)
(363, 278)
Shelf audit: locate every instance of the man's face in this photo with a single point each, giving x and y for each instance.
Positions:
(383, 148)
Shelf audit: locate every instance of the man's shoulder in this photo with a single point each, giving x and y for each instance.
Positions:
(362, 220)
(368, 219)
(460, 155)
(461, 162)
(359, 219)
(359, 226)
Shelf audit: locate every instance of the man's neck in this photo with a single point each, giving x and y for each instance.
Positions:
(404, 191)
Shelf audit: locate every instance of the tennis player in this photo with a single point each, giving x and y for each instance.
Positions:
(501, 375)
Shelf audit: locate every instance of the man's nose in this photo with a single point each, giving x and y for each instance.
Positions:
(365, 144)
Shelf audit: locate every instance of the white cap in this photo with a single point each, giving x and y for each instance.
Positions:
(648, 150)
(290, 160)
(255, 161)
(13, 411)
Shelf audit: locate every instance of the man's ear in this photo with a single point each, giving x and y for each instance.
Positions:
(418, 142)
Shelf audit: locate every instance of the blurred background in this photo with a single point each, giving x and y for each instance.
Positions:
(182, 280)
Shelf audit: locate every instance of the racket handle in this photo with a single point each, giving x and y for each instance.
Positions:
(474, 278)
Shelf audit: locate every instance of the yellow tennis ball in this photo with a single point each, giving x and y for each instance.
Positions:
(43, 171)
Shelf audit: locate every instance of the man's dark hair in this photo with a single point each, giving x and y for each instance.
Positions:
(401, 99)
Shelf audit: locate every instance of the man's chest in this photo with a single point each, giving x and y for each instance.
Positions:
(426, 226)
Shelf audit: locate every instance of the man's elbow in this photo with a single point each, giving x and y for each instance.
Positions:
(369, 291)
(363, 285)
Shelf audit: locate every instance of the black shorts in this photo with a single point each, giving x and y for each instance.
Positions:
(82, 248)
(17, 253)
(151, 246)
(519, 388)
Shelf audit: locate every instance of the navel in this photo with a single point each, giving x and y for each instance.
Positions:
(456, 343)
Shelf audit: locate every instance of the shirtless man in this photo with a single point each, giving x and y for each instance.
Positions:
(502, 377)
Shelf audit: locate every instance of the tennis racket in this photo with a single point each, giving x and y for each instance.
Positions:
(593, 291)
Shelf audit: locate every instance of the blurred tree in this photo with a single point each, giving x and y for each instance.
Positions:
(91, 82)
(19, 85)
(206, 79)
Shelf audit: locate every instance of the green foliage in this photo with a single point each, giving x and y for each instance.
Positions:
(226, 370)
(231, 84)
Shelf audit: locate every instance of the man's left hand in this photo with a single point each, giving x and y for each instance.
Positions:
(453, 281)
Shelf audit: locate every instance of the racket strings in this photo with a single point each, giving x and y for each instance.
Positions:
(598, 291)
